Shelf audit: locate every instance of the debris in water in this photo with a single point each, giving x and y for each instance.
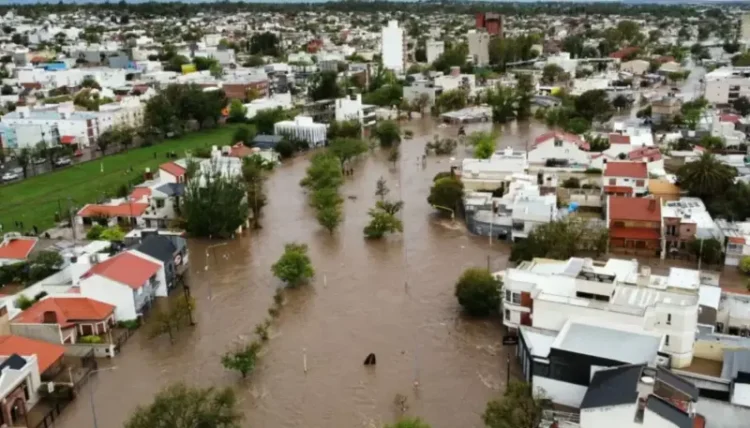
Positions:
(370, 360)
(400, 402)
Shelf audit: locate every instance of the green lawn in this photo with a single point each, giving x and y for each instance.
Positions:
(36, 200)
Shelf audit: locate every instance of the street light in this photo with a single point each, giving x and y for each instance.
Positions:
(91, 391)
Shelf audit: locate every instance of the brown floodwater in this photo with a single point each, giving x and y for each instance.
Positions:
(393, 297)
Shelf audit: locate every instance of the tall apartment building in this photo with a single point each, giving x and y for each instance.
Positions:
(392, 47)
(745, 29)
(724, 85)
(434, 48)
(492, 22)
(479, 47)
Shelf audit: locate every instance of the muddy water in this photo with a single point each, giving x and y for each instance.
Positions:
(393, 298)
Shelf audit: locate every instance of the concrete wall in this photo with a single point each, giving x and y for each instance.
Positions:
(101, 350)
(609, 417)
(45, 332)
(559, 392)
(709, 350)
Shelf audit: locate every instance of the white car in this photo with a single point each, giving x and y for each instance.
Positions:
(39, 161)
(63, 161)
(10, 176)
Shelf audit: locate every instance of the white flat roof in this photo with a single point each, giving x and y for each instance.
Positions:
(611, 341)
(538, 341)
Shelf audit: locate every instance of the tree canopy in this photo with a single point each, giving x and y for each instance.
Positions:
(214, 205)
(478, 292)
(294, 266)
(519, 407)
(561, 240)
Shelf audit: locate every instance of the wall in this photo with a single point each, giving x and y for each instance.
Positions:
(708, 349)
(45, 332)
(101, 350)
(610, 417)
(559, 392)
(392, 47)
(114, 293)
(640, 186)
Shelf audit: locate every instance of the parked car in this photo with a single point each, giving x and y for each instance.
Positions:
(17, 170)
(63, 161)
(39, 161)
(10, 176)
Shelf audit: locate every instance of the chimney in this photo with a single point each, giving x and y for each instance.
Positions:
(455, 71)
(49, 317)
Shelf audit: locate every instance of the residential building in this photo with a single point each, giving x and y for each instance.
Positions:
(19, 136)
(456, 80)
(637, 67)
(434, 48)
(490, 174)
(745, 29)
(351, 108)
(638, 396)
(736, 240)
(83, 126)
(15, 248)
(171, 251)
(625, 178)
(634, 224)
(24, 363)
(663, 190)
(392, 47)
(173, 172)
(665, 109)
(421, 88)
(652, 157)
(546, 294)
(686, 220)
(303, 128)
(492, 22)
(274, 101)
(558, 146)
(726, 84)
(562, 363)
(129, 281)
(479, 47)
(120, 211)
(64, 320)
(126, 113)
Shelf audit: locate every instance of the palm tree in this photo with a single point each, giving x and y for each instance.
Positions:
(706, 177)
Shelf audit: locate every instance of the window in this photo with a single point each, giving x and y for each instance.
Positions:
(159, 203)
(507, 315)
(666, 340)
(619, 223)
(507, 295)
(612, 181)
(639, 183)
(558, 142)
(669, 319)
(517, 298)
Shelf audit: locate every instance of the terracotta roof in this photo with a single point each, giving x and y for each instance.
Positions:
(729, 118)
(126, 209)
(619, 139)
(618, 189)
(240, 150)
(626, 169)
(67, 139)
(663, 187)
(736, 239)
(634, 233)
(173, 168)
(565, 136)
(645, 154)
(46, 353)
(68, 310)
(17, 248)
(125, 268)
(622, 53)
(635, 209)
(140, 193)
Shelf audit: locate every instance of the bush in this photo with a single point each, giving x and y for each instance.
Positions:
(478, 292)
(202, 152)
(572, 183)
(129, 324)
(285, 149)
(95, 232)
(444, 174)
(592, 171)
(90, 339)
(23, 302)
(745, 265)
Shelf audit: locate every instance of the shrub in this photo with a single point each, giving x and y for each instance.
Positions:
(95, 231)
(745, 265)
(596, 171)
(129, 324)
(572, 183)
(23, 302)
(478, 292)
(90, 339)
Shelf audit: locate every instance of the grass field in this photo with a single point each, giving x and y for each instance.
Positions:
(36, 200)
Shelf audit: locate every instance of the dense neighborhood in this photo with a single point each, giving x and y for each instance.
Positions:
(210, 209)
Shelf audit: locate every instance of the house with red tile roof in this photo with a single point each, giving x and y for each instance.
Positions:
(15, 248)
(635, 224)
(24, 362)
(625, 178)
(125, 212)
(172, 172)
(63, 320)
(129, 281)
(557, 145)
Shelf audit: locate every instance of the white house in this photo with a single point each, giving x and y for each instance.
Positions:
(83, 127)
(273, 101)
(629, 178)
(303, 128)
(129, 281)
(351, 108)
(128, 112)
(490, 174)
(434, 48)
(559, 146)
(546, 294)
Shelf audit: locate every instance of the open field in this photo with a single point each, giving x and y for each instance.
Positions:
(35, 200)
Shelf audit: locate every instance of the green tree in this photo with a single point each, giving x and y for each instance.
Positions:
(742, 106)
(710, 142)
(454, 99)
(577, 125)
(186, 407)
(383, 220)
(265, 120)
(706, 177)
(325, 86)
(203, 63)
(745, 265)
(451, 57)
(112, 234)
(94, 232)
(217, 71)
(344, 129)
(503, 102)
(168, 320)
(483, 143)
(447, 193)
(266, 44)
(244, 134)
(253, 172)
(562, 240)
(409, 423)
(709, 251)
(214, 205)
(478, 292)
(294, 266)
(553, 73)
(324, 171)
(594, 105)
(330, 217)
(237, 112)
(381, 188)
(387, 132)
(524, 93)
(520, 407)
(243, 359)
(347, 148)
(175, 63)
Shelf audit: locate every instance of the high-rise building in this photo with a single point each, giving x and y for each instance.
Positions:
(392, 47)
(479, 47)
(492, 22)
(745, 29)
(434, 48)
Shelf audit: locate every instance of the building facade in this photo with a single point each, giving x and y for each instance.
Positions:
(392, 47)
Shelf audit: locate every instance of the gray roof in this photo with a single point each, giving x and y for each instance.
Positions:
(172, 189)
(158, 247)
(669, 412)
(612, 344)
(677, 382)
(735, 361)
(612, 387)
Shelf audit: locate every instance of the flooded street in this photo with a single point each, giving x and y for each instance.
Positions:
(393, 298)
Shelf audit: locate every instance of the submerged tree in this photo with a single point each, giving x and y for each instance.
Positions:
(478, 292)
(215, 205)
(519, 407)
(253, 171)
(383, 219)
(294, 266)
(184, 407)
(243, 359)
